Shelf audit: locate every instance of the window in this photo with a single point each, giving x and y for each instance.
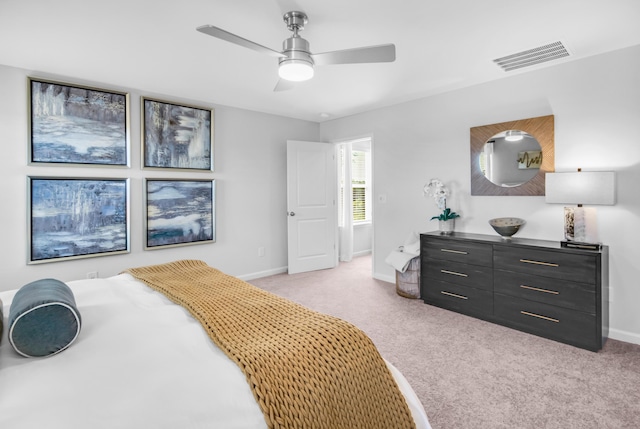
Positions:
(360, 179)
(359, 184)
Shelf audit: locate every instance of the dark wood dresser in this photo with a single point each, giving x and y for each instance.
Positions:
(535, 286)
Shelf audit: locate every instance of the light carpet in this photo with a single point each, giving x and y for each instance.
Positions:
(473, 374)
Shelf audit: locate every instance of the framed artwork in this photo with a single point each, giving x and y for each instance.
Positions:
(72, 124)
(73, 218)
(176, 136)
(179, 212)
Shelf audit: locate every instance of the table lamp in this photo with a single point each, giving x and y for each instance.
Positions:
(589, 188)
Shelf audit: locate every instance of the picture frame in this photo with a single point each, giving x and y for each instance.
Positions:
(176, 136)
(76, 124)
(179, 212)
(72, 218)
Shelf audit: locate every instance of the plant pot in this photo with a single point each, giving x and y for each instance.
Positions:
(447, 226)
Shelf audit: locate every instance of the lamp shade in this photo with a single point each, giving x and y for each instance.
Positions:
(582, 187)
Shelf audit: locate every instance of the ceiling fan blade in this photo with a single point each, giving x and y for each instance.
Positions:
(230, 37)
(284, 85)
(368, 54)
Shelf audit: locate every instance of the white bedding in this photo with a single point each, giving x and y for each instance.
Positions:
(140, 362)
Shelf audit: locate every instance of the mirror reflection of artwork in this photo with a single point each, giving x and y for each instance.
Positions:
(511, 158)
(530, 159)
(502, 149)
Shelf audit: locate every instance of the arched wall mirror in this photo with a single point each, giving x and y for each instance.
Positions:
(511, 158)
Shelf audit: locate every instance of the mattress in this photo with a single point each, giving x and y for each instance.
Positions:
(139, 361)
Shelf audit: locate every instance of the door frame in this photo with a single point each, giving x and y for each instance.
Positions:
(336, 142)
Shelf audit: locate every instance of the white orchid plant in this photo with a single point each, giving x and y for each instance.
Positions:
(436, 189)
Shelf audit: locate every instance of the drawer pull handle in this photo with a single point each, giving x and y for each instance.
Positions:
(460, 252)
(547, 264)
(550, 319)
(453, 295)
(537, 289)
(454, 273)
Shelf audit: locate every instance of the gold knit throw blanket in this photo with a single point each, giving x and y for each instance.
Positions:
(306, 369)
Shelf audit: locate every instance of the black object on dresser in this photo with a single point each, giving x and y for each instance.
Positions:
(535, 286)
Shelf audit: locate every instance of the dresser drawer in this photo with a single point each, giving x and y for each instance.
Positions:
(569, 326)
(459, 273)
(536, 286)
(563, 293)
(458, 251)
(464, 299)
(559, 265)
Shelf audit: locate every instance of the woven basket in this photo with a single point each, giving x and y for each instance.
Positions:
(408, 283)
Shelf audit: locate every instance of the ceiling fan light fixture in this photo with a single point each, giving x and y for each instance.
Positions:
(295, 70)
(296, 62)
(513, 136)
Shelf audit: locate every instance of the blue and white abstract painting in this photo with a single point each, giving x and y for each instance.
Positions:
(177, 136)
(180, 212)
(78, 217)
(77, 125)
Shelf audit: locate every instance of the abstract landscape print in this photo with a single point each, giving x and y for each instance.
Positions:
(77, 125)
(179, 212)
(77, 217)
(176, 136)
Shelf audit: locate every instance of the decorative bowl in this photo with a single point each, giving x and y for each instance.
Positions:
(506, 226)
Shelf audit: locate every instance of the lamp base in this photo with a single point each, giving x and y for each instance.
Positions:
(580, 225)
(581, 245)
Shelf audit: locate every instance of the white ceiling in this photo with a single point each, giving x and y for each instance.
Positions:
(152, 46)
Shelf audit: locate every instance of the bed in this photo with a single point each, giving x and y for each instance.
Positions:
(143, 359)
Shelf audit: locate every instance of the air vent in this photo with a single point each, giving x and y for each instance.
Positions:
(538, 55)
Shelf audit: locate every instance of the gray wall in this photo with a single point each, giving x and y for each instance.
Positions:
(596, 108)
(250, 173)
(597, 127)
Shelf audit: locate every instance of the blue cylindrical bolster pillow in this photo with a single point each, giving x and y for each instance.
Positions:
(43, 318)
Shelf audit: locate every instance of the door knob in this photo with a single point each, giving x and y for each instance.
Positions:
(291, 213)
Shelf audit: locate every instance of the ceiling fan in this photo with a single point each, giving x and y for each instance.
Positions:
(296, 62)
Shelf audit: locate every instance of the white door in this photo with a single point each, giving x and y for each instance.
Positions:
(311, 209)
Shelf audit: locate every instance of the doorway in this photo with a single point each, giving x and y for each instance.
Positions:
(355, 198)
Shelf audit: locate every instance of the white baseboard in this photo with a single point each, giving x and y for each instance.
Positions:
(281, 270)
(261, 274)
(388, 279)
(627, 337)
(362, 253)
